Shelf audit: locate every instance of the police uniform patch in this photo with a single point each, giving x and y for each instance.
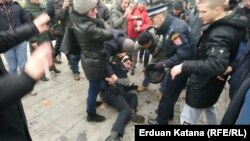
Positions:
(176, 39)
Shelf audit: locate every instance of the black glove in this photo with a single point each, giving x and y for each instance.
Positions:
(131, 87)
(159, 65)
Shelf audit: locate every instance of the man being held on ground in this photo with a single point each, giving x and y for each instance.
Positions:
(116, 94)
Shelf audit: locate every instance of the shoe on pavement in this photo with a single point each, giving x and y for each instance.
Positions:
(44, 78)
(55, 70)
(113, 137)
(132, 71)
(56, 60)
(141, 88)
(76, 76)
(137, 118)
(98, 103)
(95, 118)
(33, 93)
(140, 61)
(109, 138)
(153, 122)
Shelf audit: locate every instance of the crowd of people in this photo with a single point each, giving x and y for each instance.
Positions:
(199, 47)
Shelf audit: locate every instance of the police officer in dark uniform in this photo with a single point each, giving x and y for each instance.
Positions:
(178, 44)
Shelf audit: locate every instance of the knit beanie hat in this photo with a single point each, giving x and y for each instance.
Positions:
(83, 6)
(128, 45)
(144, 38)
(142, 1)
(177, 5)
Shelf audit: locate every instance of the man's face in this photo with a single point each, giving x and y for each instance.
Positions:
(207, 15)
(142, 6)
(176, 12)
(124, 4)
(157, 20)
(127, 64)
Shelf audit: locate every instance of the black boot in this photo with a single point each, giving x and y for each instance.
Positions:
(53, 68)
(44, 78)
(95, 118)
(171, 116)
(57, 71)
(98, 103)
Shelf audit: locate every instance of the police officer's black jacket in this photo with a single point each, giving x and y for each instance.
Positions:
(216, 49)
(13, 126)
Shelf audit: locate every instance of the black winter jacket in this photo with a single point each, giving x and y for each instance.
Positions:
(90, 35)
(13, 125)
(112, 48)
(216, 49)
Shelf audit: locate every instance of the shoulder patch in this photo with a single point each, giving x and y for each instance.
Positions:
(175, 38)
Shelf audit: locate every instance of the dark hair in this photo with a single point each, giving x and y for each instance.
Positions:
(126, 59)
(177, 5)
(144, 38)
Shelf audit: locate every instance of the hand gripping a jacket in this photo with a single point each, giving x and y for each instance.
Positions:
(122, 81)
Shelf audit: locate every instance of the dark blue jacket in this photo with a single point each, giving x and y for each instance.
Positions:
(178, 43)
(12, 15)
(113, 47)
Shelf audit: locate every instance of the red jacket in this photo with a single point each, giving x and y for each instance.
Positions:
(143, 21)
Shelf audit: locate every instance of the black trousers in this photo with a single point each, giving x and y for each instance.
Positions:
(125, 103)
(171, 92)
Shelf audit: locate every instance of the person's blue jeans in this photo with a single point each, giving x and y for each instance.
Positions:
(244, 116)
(94, 88)
(74, 62)
(16, 58)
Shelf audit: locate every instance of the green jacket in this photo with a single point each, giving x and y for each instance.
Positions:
(33, 10)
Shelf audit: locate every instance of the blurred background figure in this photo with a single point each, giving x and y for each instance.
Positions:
(12, 15)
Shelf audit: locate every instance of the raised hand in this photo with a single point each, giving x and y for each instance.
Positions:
(40, 59)
(41, 22)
